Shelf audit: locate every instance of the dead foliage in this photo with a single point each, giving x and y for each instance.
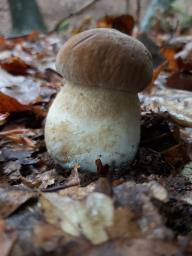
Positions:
(145, 207)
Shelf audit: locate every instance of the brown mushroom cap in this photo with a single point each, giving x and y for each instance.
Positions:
(105, 58)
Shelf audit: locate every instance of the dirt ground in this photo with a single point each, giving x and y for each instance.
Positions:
(54, 11)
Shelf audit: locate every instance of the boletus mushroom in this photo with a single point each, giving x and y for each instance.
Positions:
(96, 114)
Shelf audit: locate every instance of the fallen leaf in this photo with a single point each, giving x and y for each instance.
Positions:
(33, 36)
(180, 80)
(8, 238)
(180, 111)
(137, 197)
(187, 171)
(18, 88)
(178, 42)
(73, 180)
(150, 89)
(78, 193)
(170, 56)
(176, 156)
(134, 247)
(158, 191)
(3, 118)
(15, 154)
(89, 217)
(9, 104)
(124, 224)
(20, 136)
(47, 236)
(11, 199)
(123, 23)
(15, 66)
(186, 53)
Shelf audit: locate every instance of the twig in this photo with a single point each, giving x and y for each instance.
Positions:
(56, 188)
(14, 131)
(138, 11)
(77, 12)
(73, 180)
(83, 8)
(127, 5)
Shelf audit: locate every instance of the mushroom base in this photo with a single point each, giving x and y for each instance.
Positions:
(85, 124)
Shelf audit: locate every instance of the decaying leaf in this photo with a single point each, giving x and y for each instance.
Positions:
(47, 235)
(134, 247)
(158, 191)
(15, 66)
(137, 197)
(180, 80)
(150, 89)
(124, 224)
(169, 54)
(89, 217)
(3, 118)
(78, 193)
(7, 238)
(19, 136)
(187, 171)
(9, 104)
(132, 210)
(11, 199)
(18, 87)
(181, 112)
(123, 23)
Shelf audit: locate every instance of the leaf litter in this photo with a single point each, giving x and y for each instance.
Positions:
(145, 207)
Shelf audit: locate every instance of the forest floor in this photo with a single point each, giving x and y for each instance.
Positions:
(141, 209)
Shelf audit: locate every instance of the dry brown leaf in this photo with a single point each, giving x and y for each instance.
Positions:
(138, 198)
(46, 235)
(169, 54)
(176, 155)
(180, 80)
(11, 199)
(150, 89)
(124, 224)
(3, 118)
(9, 104)
(15, 66)
(123, 23)
(89, 217)
(134, 247)
(20, 136)
(78, 193)
(18, 87)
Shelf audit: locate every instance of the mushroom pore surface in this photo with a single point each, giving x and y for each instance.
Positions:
(96, 114)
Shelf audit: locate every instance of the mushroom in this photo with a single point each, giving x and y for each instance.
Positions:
(96, 114)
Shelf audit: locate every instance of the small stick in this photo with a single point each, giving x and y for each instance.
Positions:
(73, 180)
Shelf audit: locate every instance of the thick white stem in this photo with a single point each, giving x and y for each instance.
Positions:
(84, 124)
